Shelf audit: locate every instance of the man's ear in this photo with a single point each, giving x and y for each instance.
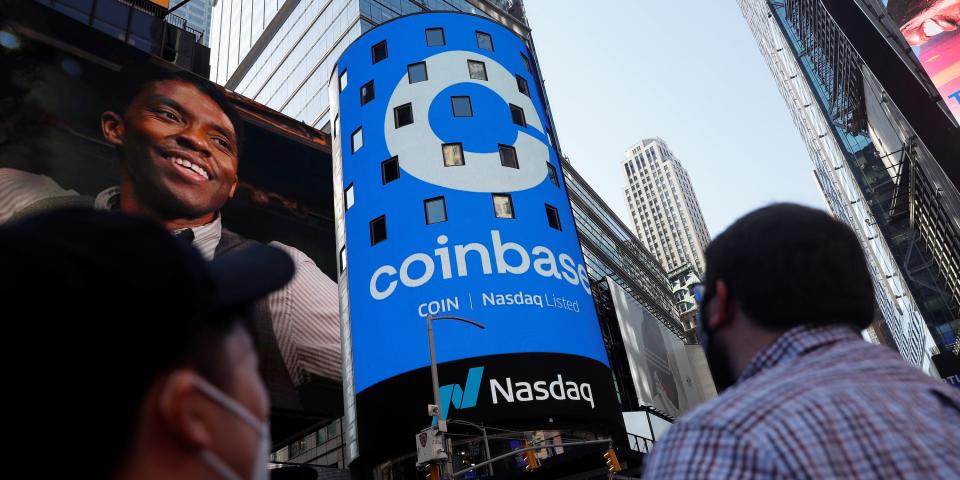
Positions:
(186, 411)
(111, 125)
(721, 313)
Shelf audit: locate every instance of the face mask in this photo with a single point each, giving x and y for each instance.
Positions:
(718, 358)
(259, 471)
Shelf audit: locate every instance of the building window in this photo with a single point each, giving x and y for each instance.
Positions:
(435, 210)
(452, 154)
(378, 229)
(417, 72)
(484, 41)
(461, 106)
(508, 156)
(526, 62)
(379, 51)
(366, 93)
(403, 115)
(502, 205)
(516, 114)
(522, 85)
(336, 125)
(356, 140)
(343, 80)
(478, 70)
(343, 258)
(390, 170)
(435, 37)
(348, 197)
(552, 173)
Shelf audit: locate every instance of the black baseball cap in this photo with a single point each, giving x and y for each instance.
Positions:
(97, 306)
(106, 265)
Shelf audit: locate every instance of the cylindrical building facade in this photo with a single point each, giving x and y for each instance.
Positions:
(452, 203)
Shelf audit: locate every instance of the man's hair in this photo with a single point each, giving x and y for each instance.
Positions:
(787, 265)
(144, 75)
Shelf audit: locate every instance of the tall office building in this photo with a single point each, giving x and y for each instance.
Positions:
(869, 84)
(665, 211)
(280, 53)
(197, 13)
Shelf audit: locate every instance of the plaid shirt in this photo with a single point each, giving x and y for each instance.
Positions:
(819, 402)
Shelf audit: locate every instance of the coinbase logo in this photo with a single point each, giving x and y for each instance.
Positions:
(418, 145)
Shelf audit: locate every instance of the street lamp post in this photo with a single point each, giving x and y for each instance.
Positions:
(441, 423)
(438, 411)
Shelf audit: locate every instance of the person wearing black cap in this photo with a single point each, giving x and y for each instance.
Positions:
(142, 365)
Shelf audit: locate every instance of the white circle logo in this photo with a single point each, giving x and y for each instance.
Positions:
(418, 147)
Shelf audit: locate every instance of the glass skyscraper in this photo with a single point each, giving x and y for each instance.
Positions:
(884, 150)
(280, 53)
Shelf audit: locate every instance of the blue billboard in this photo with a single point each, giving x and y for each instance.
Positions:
(453, 204)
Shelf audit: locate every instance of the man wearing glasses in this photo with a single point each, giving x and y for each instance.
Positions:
(785, 295)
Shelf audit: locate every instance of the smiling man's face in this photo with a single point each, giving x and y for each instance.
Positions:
(179, 151)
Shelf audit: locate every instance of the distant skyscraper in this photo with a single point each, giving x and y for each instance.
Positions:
(664, 208)
(197, 14)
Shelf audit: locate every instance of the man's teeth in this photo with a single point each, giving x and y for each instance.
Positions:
(191, 166)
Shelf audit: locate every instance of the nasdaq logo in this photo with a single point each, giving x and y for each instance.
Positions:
(460, 397)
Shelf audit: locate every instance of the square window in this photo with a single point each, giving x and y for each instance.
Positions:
(522, 85)
(452, 154)
(435, 37)
(343, 259)
(484, 41)
(502, 205)
(343, 80)
(478, 70)
(552, 173)
(356, 140)
(366, 93)
(378, 229)
(516, 114)
(508, 156)
(390, 170)
(379, 51)
(403, 115)
(461, 106)
(348, 197)
(435, 210)
(417, 72)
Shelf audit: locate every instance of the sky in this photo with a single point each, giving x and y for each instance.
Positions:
(619, 71)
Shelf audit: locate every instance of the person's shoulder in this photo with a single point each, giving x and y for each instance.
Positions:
(697, 446)
(304, 264)
(295, 253)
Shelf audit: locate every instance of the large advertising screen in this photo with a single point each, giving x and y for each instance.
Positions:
(667, 374)
(453, 204)
(96, 123)
(930, 28)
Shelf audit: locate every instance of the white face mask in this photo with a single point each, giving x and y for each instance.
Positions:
(259, 471)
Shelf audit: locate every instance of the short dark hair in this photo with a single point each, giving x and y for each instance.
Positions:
(139, 77)
(789, 265)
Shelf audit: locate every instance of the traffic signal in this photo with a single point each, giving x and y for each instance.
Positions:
(613, 465)
(433, 472)
(530, 459)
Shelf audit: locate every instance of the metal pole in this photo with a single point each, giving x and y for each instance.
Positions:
(441, 424)
(536, 447)
(486, 444)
